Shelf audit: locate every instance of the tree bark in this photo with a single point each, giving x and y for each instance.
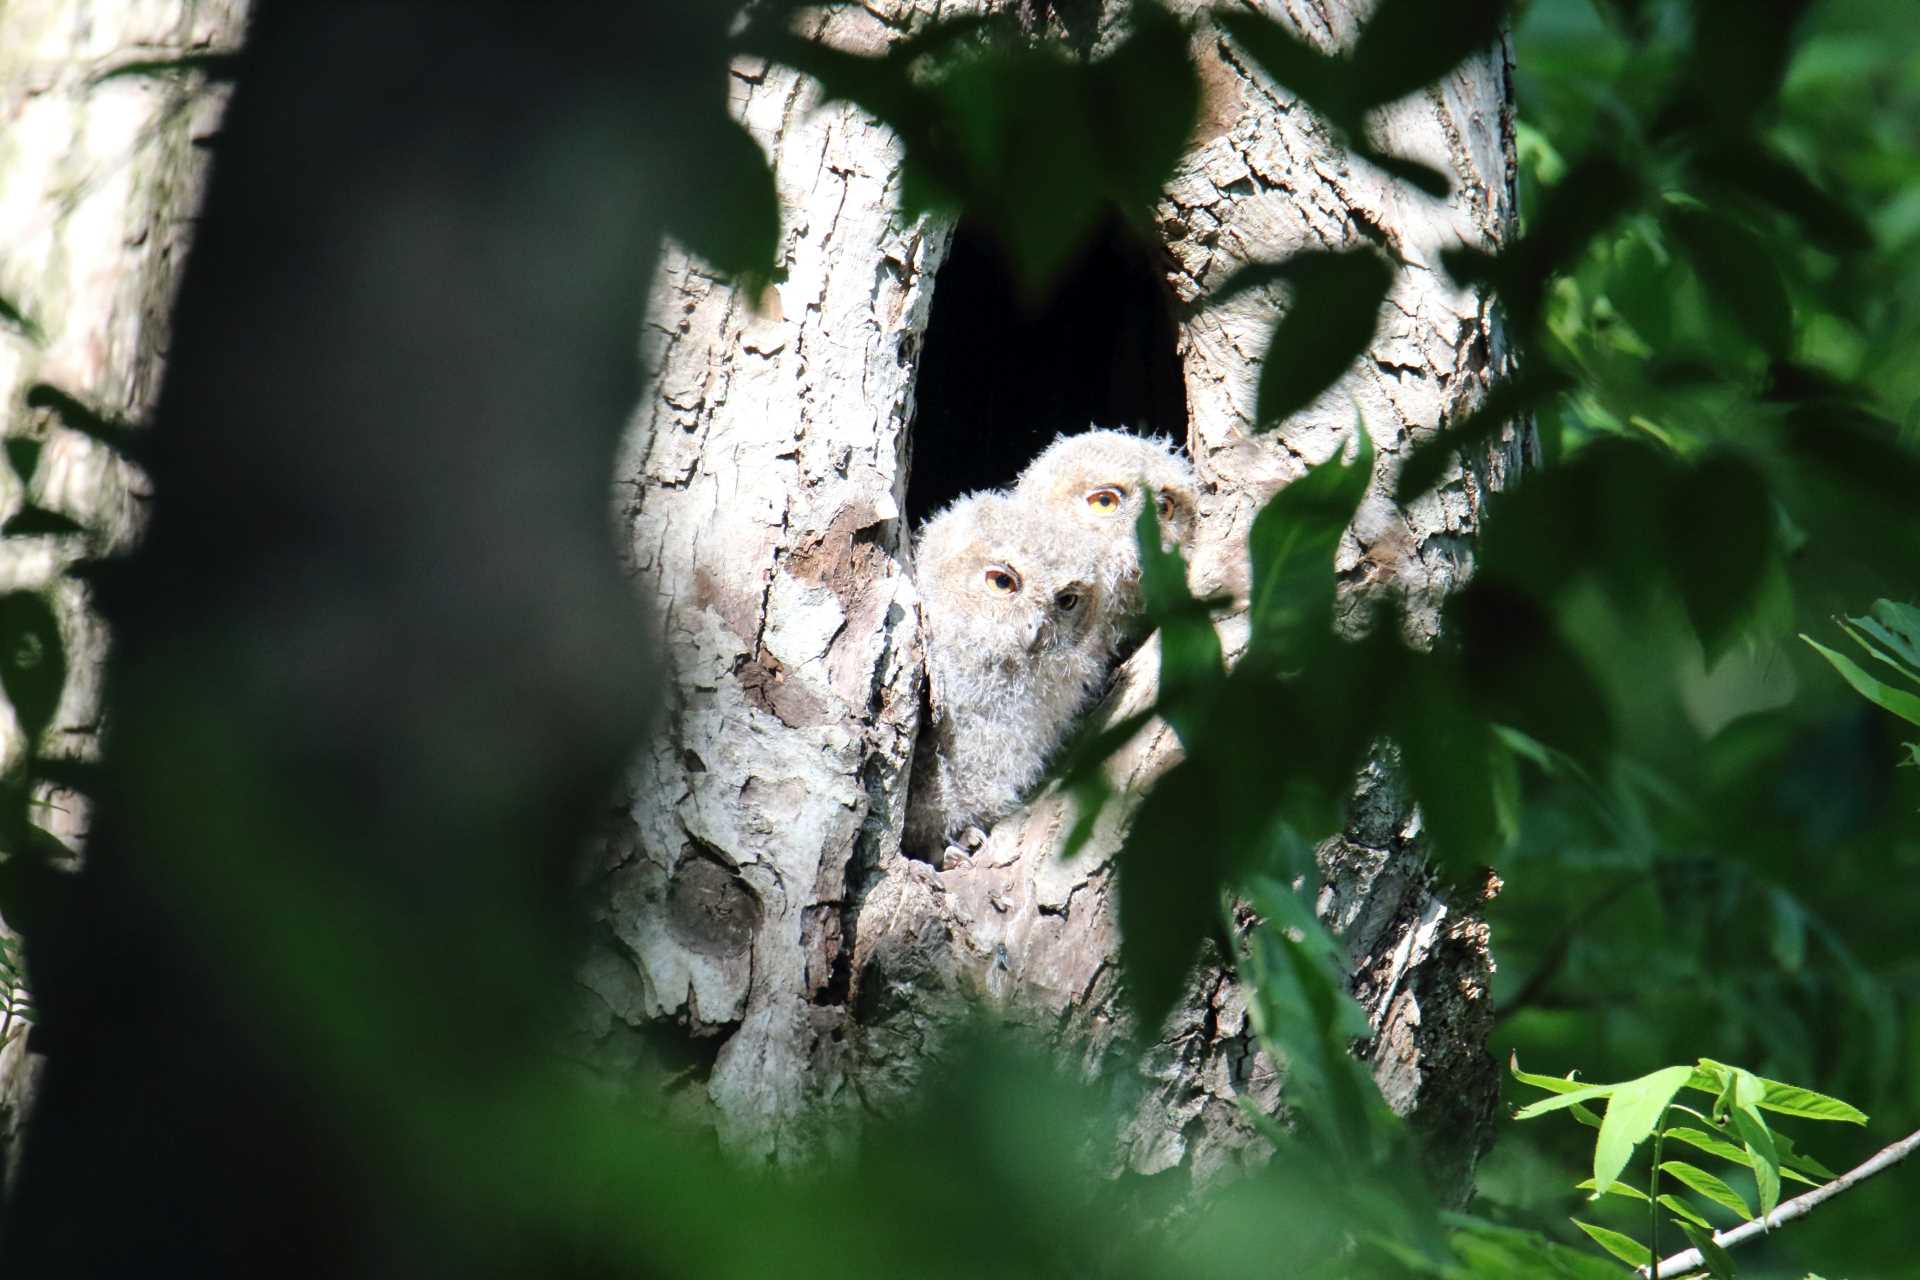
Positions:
(99, 183)
(763, 944)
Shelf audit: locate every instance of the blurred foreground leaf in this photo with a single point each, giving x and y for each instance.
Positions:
(1333, 307)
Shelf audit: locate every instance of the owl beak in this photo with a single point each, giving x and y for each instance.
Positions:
(1036, 634)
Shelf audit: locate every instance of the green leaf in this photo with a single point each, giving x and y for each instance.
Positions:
(1625, 1190)
(1302, 1009)
(73, 775)
(1090, 794)
(1585, 1093)
(1143, 98)
(1518, 670)
(1788, 937)
(1499, 1253)
(23, 455)
(1680, 1209)
(1291, 548)
(1898, 701)
(1860, 450)
(1082, 773)
(1332, 311)
(1035, 145)
(1171, 869)
(1791, 1099)
(1191, 661)
(1737, 58)
(74, 416)
(1310, 75)
(1042, 190)
(1738, 270)
(1756, 1137)
(1505, 404)
(1595, 191)
(1708, 1142)
(1758, 172)
(1553, 1084)
(1421, 177)
(1400, 50)
(1451, 755)
(34, 896)
(1719, 533)
(1625, 1248)
(1794, 1101)
(1405, 45)
(1890, 636)
(1633, 1111)
(31, 521)
(1727, 1151)
(20, 322)
(1872, 637)
(1699, 1180)
(733, 222)
(1897, 626)
(882, 86)
(33, 661)
(1719, 1262)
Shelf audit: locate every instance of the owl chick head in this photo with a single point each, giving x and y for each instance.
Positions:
(1097, 482)
(1006, 576)
(1097, 478)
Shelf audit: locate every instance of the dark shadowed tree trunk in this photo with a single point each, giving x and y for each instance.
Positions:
(762, 943)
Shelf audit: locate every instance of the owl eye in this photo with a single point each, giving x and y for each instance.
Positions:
(1002, 580)
(1067, 601)
(1107, 499)
(1166, 505)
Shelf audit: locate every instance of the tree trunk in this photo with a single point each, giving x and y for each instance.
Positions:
(762, 937)
(99, 183)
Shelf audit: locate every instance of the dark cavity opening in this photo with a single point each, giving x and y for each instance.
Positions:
(1000, 378)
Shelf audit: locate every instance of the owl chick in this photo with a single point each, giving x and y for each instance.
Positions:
(1015, 652)
(1093, 481)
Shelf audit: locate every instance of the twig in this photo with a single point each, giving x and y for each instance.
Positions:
(1689, 1260)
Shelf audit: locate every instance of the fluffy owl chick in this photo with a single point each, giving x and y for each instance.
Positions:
(1015, 651)
(1093, 481)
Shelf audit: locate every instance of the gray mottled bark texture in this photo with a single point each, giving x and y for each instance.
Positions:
(99, 182)
(763, 949)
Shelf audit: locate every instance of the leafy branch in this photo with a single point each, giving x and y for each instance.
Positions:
(1890, 634)
(1694, 1259)
(1735, 1130)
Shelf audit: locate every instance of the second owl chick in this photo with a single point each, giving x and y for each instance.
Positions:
(1094, 481)
(1016, 650)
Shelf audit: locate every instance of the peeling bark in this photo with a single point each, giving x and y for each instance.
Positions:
(755, 897)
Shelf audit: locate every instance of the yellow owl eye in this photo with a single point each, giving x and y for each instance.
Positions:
(1107, 499)
(1002, 580)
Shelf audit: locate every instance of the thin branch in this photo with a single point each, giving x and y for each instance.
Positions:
(1689, 1260)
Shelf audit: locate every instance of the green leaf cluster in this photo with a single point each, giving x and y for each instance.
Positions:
(1034, 142)
(1735, 1130)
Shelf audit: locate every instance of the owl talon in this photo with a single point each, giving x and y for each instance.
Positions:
(972, 839)
(953, 858)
